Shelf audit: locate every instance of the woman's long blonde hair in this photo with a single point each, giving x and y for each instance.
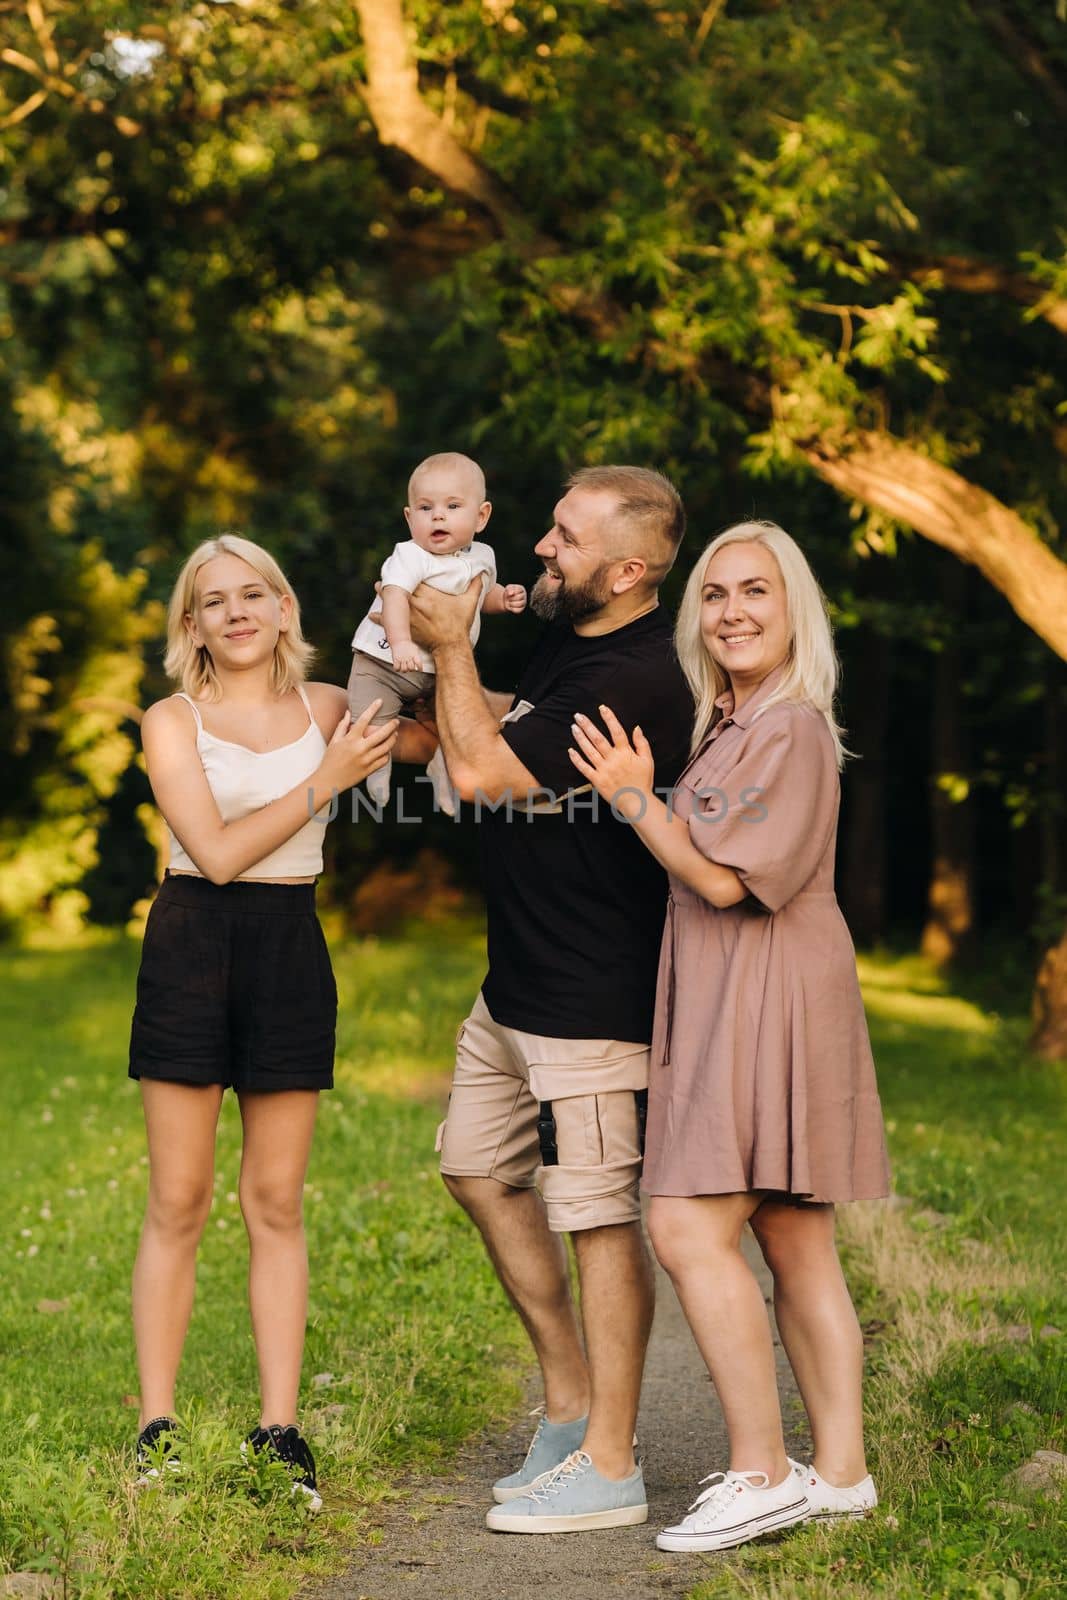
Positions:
(811, 668)
(190, 664)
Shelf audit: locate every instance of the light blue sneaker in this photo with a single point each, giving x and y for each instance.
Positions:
(551, 1444)
(572, 1499)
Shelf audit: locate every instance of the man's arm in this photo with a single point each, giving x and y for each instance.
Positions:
(498, 702)
(417, 741)
(480, 760)
(414, 742)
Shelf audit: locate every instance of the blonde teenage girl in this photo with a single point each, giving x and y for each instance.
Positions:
(235, 988)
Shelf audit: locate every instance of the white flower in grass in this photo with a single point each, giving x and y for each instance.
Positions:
(112, 1183)
(220, 1222)
(25, 1233)
(32, 1250)
(47, 1114)
(45, 1213)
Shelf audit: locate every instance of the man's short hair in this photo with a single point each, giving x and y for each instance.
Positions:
(648, 504)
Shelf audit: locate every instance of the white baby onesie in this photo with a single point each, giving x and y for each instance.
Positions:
(407, 567)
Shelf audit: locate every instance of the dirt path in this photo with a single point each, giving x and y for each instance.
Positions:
(434, 1542)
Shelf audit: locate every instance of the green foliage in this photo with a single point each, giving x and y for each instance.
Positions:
(224, 302)
(73, 679)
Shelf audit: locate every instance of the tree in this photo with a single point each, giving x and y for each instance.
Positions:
(743, 239)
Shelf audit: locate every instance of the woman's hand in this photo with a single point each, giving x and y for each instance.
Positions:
(357, 749)
(616, 766)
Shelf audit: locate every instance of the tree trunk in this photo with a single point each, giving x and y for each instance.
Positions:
(1049, 1038)
(863, 863)
(950, 511)
(949, 927)
(1053, 819)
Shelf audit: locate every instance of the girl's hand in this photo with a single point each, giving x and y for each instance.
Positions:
(514, 598)
(357, 749)
(615, 766)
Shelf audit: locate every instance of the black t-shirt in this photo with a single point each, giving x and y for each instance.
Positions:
(575, 901)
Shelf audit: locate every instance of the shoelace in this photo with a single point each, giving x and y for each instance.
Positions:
(562, 1475)
(540, 1413)
(716, 1497)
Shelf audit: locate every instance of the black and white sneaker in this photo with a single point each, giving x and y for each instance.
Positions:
(289, 1446)
(157, 1450)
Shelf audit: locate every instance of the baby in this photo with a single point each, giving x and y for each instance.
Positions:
(446, 508)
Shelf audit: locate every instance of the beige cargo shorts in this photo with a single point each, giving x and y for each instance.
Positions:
(504, 1077)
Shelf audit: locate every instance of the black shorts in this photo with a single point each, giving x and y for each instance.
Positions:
(235, 987)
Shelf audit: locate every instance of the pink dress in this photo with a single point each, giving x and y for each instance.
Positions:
(762, 1075)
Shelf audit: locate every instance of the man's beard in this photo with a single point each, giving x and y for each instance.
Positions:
(570, 602)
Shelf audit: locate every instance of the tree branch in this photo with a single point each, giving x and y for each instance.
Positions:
(982, 277)
(57, 85)
(405, 121)
(945, 508)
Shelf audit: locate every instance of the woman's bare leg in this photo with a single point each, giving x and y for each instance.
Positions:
(698, 1241)
(180, 1120)
(278, 1129)
(819, 1330)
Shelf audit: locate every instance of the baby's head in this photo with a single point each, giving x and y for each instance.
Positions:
(446, 503)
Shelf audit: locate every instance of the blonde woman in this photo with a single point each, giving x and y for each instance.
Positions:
(235, 988)
(763, 1106)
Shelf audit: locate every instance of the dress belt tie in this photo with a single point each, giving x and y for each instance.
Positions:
(665, 1059)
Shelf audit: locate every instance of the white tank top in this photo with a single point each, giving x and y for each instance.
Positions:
(243, 781)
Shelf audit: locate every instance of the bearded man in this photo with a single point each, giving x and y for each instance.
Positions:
(544, 1127)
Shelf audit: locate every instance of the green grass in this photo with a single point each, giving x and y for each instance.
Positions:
(417, 1338)
(405, 1317)
(966, 1378)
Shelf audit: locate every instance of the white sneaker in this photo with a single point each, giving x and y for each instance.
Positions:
(739, 1507)
(828, 1502)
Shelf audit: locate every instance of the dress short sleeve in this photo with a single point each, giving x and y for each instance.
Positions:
(769, 816)
(405, 568)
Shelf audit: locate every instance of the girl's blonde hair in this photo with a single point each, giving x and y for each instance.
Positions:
(190, 664)
(811, 668)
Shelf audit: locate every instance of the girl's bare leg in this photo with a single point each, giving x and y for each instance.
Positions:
(278, 1129)
(180, 1120)
(819, 1330)
(698, 1241)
